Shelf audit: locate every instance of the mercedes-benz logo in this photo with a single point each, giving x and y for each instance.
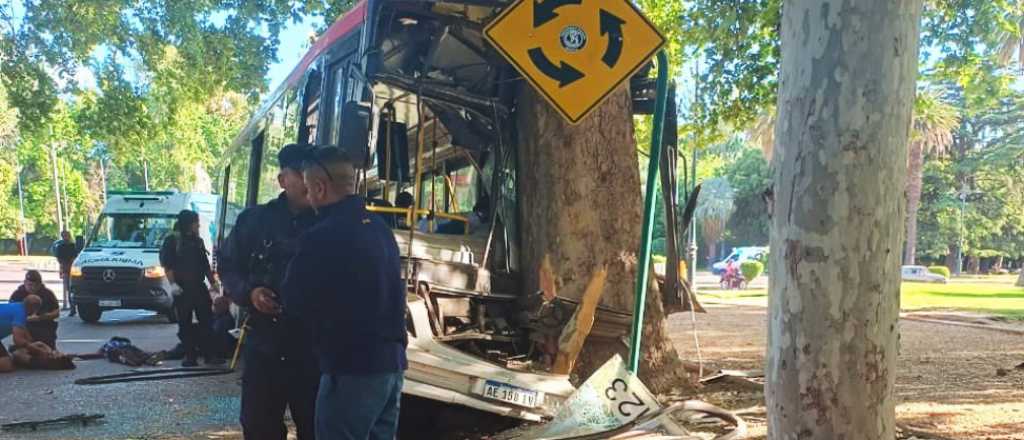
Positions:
(109, 275)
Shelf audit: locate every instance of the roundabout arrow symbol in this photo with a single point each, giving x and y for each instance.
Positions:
(564, 74)
(545, 12)
(612, 26)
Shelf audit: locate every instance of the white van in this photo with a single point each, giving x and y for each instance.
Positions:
(120, 265)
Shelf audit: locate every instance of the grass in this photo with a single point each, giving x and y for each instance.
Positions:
(991, 295)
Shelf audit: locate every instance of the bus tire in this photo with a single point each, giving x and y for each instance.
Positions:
(89, 313)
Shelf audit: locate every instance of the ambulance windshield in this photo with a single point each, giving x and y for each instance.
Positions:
(131, 231)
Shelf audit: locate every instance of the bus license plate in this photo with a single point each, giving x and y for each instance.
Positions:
(110, 303)
(511, 394)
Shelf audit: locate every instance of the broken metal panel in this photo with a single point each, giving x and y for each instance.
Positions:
(463, 375)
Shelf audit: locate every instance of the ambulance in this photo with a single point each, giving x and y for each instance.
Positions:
(119, 268)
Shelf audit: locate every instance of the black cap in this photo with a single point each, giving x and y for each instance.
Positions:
(293, 155)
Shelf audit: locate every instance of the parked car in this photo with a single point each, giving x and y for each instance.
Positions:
(922, 275)
(739, 255)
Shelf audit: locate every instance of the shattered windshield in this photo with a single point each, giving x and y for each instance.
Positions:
(131, 231)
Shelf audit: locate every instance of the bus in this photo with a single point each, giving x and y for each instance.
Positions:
(412, 90)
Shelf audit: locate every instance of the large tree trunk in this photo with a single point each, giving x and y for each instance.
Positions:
(848, 76)
(1020, 279)
(973, 264)
(580, 204)
(915, 165)
(951, 259)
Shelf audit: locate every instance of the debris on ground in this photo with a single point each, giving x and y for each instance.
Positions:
(74, 419)
(614, 403)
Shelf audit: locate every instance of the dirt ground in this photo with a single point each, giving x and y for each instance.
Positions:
(953, 382)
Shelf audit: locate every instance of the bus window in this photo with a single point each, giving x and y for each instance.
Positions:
(309, 118)
(283, 130)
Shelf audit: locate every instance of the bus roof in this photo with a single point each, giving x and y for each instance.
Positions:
(348, 22)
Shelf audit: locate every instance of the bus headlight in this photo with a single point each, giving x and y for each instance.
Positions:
(76, 271)
(155, 272)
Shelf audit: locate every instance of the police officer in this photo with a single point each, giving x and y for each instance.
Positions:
(280, 368)
(187, 262)
(345, 280)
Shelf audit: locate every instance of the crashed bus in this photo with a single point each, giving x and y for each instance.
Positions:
(417, 85)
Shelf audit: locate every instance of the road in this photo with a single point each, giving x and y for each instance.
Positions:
(179, 407)
(171, 408)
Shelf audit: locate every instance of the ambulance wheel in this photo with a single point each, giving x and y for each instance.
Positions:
(89, 313)
(171, 315)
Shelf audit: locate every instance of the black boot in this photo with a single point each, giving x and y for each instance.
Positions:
(191, 360)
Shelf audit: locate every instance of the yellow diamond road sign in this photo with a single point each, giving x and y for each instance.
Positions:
(575, 52)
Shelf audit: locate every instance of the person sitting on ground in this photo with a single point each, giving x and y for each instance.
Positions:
(43, 324)
(223, 323)
(13, 321)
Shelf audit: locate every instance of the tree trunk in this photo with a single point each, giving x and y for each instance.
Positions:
(951, 259)
(580, 204)
(973, 264)
(915, 164)
(848, 76)
(1020, 279)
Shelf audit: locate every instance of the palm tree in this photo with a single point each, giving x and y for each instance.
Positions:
(933, 125)
(1011, 45)
(714, 206)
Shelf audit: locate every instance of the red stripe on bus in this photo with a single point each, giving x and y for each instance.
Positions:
(339, 29)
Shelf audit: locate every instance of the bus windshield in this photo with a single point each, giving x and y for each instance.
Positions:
(131, 230)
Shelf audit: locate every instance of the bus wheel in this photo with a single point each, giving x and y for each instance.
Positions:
(89, 313)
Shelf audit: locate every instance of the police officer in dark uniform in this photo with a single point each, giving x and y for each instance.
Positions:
(280, 367)
(187, 262)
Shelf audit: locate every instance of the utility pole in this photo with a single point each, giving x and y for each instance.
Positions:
(64, 190)
(23, 236)
(691, 267)
(103, 178)
(145, 172)
(960, 246)
(56, 184)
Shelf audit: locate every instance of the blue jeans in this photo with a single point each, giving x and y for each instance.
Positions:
(358, 407)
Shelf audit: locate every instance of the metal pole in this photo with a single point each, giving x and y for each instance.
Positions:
(649, 200)
(691, 268)
(103, 179)
(56, 186)
(960, 247)
(64, 193)
(21, 217)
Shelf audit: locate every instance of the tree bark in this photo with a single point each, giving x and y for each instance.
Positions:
(848, 76)
(915, 165)
(951, 259)
(973, 265)
(580, 204)
(1020, 279)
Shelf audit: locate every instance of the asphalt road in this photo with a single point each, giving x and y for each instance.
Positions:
(170, 408)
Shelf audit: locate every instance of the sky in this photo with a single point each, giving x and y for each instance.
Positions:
(294, 44)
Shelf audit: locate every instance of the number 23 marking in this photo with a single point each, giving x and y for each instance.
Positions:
(626, 407)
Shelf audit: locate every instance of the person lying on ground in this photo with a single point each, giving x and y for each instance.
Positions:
(13, 321)
(43, 324)
(39, 356)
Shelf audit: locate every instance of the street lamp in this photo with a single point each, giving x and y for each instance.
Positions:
(962, 195)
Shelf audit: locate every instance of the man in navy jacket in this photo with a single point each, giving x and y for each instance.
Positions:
(345, 281)
(280, 368)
